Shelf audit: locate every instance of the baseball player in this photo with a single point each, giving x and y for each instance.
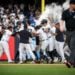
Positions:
(51, 40)
(60, 42)
(24, 44)
(31, 40)
(19, 27)
(4, 43)
(43, 39)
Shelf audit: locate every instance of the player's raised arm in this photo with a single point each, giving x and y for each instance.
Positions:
(62, 25)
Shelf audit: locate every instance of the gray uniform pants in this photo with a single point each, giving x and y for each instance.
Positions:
(71, 44)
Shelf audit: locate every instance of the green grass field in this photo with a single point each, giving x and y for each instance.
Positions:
(35, 69)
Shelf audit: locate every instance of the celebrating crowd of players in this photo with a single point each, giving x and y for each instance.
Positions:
(38, 42)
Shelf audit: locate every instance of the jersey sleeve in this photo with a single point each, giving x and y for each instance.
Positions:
(53, 30)
(63, 16)
(8, 32)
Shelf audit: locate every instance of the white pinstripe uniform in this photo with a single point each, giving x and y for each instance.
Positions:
(51, 37)
(43, 39)
(4, 44)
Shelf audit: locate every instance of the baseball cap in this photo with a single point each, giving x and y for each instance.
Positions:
(43, 21)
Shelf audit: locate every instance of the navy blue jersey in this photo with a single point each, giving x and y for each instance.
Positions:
(59, 37)
(69, 18)
(24, 36)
